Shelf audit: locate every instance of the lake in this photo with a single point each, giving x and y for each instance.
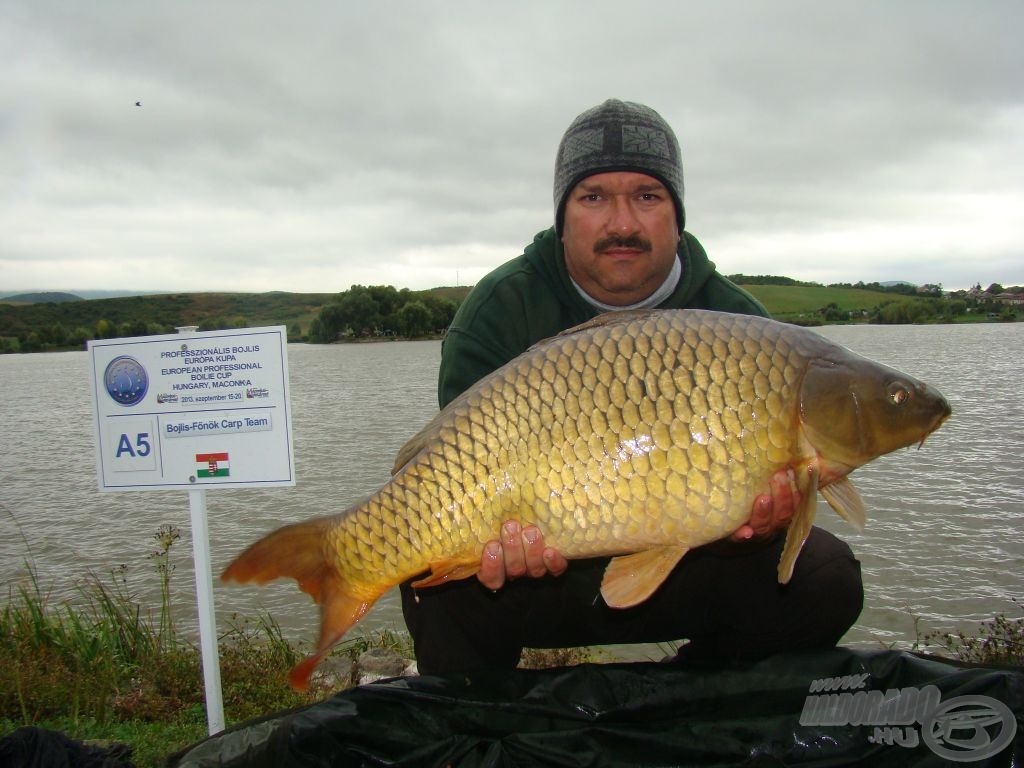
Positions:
(943, 545)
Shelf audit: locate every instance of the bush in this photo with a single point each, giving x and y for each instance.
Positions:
(999, 641)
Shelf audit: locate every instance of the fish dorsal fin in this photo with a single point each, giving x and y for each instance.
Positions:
(443, 571)
(844, 499)
(803, 519)
(631, 579)
(414, 445)
(607, 318)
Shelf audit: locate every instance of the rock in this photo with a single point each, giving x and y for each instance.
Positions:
(336, 671)
(380, 663)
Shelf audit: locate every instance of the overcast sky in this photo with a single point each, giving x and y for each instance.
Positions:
(309, 146)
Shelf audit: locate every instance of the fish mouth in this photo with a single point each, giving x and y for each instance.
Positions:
(940, 419)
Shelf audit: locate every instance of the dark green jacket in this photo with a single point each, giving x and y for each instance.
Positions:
(531, 298)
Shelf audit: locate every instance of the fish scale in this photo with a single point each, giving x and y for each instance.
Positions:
(640, 432)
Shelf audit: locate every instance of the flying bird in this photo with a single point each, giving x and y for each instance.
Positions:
(138, 103)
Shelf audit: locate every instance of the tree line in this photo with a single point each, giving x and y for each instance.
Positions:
(380, 311)
(360, 312)
(904, 289)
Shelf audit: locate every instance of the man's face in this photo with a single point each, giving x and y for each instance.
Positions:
(620, 235)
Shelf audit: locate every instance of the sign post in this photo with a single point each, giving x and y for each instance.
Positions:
(195, 411)
(207, 612)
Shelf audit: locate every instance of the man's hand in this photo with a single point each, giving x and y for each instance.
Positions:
(772, 511)
(519, 552)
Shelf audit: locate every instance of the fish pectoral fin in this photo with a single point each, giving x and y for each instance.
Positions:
(631, 579)
(443, 571)
(844, 499)
(803, 519)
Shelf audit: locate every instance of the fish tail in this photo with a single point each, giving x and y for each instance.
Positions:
(297, 552)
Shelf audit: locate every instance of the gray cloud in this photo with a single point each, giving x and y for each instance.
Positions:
(311, 146)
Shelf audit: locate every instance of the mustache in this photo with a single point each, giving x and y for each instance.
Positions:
(617, 241)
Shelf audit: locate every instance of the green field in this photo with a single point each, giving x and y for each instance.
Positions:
(792, 301)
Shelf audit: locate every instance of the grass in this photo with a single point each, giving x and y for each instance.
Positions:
(105, 668)
(792, 301)
(544, 658)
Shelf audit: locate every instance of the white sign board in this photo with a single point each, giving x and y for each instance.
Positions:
(193, 410)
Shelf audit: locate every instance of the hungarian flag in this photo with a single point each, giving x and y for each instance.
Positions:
(212, 465)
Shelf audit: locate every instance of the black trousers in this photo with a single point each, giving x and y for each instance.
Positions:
(729, 605)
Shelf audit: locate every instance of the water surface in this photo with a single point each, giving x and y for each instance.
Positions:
(943, 542)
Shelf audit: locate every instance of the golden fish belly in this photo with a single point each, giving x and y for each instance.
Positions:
(613, 439)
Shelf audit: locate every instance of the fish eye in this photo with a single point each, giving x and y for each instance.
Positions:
(898, 393)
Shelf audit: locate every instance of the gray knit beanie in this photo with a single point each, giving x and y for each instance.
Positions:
(618, 136)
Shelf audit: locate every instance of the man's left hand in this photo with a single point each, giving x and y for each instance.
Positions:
(772, 511)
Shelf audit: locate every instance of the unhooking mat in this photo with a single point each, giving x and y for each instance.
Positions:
(834, 708)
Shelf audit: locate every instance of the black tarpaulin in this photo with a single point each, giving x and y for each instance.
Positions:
(32, 747)
(834, 708)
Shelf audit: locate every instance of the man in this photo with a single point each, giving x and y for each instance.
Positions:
(619, 243)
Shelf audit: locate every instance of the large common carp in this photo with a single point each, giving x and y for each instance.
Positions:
(639, 435)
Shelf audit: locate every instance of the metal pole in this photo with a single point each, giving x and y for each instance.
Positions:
(207, 614)
(204, 599)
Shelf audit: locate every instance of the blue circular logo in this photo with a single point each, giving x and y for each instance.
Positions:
(126, 380)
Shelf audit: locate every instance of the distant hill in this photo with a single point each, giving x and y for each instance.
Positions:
(40, 297)
(162, 313)
(29, 297)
